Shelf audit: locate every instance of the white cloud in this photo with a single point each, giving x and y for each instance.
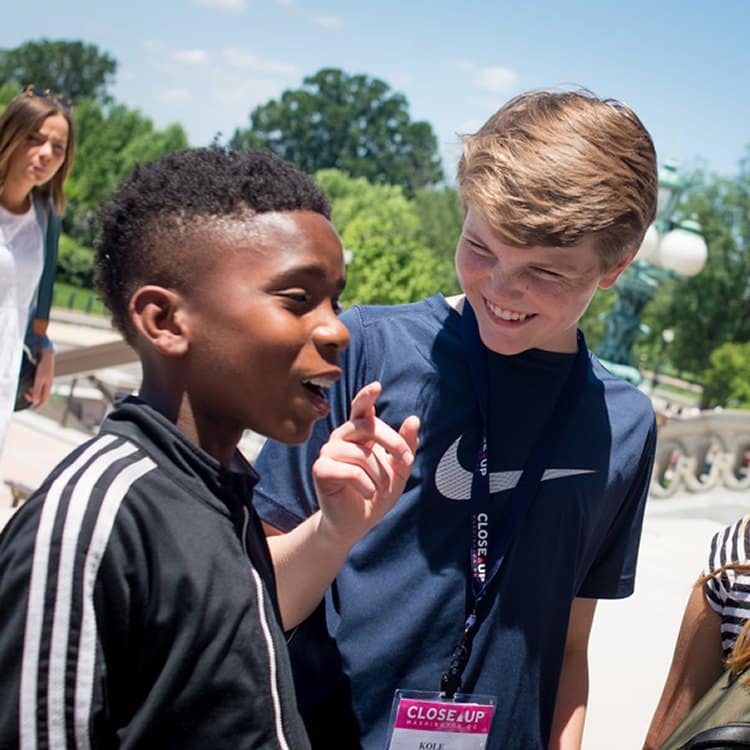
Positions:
(328, 22)
(231, 6)
(192, 56)
(241, 58)
(496, 79)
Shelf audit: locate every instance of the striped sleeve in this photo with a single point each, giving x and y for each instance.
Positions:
(728, 593)
(60, 640)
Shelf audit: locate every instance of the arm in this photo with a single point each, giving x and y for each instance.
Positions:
(45, 373)
(359, 475)
(696, 664)
(573, 690)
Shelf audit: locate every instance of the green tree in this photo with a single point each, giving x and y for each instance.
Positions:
(111, 140)
(74, 68)
(378, 224)
(714, 306)
(75, 263)
(592, 322)
(726, 382)
(349, 122)
(441, 218)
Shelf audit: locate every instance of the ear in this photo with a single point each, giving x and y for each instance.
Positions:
(158, 316)
(610, 277)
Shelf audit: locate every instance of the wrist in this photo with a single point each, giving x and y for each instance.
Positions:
(332, 537)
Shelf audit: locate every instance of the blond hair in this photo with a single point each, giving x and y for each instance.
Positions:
(23, 116)
(550, 167)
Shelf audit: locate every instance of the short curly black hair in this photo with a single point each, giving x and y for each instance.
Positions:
(144, 224)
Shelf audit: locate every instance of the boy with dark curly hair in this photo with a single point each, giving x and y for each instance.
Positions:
(140, 604)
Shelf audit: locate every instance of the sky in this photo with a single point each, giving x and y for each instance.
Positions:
(683, 66)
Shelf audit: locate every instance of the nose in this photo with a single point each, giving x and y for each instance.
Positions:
(505, 280)
(330, 333)
(45, 150)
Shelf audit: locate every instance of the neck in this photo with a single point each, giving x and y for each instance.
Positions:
(16, 199)
(174, 403)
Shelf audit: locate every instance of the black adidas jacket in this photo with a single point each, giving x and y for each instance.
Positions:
(137, 603)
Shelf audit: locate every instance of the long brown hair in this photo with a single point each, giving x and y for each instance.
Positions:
(23, 116)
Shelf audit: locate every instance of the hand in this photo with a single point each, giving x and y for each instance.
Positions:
(363, 468)
(40, 392)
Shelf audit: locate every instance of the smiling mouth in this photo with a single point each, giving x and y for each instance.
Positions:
(319, 385)
(512, 316)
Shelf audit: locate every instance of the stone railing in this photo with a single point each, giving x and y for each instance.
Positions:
(700, 452)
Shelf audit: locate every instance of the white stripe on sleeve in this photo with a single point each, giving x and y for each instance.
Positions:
(85, 669)
(37, 589)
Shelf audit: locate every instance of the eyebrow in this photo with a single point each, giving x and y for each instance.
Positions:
(561, 263)
(316, 272)
(51, 138)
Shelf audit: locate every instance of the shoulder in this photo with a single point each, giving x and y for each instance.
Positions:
(78, 503)
(399, 344)
(44, 209)
(621, 397)
(731, 545)
(432, 310)
(408, 328)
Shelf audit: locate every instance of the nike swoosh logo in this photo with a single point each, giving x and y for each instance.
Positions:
(453, 481)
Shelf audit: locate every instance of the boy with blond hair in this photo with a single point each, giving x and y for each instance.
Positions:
(526, 500)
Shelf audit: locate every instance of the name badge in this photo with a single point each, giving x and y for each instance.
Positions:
(429, 721)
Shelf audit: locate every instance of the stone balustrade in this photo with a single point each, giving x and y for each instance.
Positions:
(698, 452)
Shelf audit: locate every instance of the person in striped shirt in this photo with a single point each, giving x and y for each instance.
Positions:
(140, 605)
(714, 634)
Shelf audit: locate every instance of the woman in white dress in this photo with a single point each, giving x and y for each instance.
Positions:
(36, 154)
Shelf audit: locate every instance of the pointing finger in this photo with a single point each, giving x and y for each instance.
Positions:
(363, 404)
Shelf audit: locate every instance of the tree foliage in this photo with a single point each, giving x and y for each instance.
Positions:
(726, 381)
(349, 122)
(441, 219)
(74, 68)
(75, 263)
(379, 225)
(712, 307)
(111, 140)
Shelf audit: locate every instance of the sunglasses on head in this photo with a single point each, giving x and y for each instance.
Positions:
(34, 90)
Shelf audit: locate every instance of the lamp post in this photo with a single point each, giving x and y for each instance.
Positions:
(669, 250)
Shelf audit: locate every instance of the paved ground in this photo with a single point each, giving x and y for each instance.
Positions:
(632, 640)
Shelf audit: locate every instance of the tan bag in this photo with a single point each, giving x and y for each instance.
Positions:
(720, 719)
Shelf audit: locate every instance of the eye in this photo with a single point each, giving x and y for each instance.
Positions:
(547, 273)
(476, 247)
(298, 296)
(336, 304)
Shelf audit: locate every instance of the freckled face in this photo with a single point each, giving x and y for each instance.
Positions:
(37, 159)
(527, 297)
(264, 329)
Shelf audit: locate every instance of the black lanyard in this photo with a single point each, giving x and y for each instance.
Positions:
(489, 544)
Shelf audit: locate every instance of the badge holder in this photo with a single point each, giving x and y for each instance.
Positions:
(430, 721)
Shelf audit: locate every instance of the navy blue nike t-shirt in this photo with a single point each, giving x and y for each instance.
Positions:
(397, 607)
